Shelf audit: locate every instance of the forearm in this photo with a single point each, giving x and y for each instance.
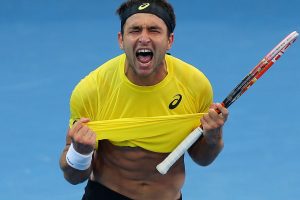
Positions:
(203, 153)
(76, 158)
(74, 176)
(205, 150)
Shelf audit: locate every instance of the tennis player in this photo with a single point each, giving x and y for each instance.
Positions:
(146, 82)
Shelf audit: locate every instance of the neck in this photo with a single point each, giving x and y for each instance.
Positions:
(152, 79)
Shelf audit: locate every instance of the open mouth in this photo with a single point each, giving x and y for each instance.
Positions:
(144, 55)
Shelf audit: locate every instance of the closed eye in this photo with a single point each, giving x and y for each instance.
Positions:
(134, 30)
(155, 29)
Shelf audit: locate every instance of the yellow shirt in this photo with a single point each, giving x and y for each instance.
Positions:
(156, 118)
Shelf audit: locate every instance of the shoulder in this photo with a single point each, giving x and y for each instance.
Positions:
(84, 101)
(111, 66)
(90, 84)
(102, 72)
(193, 80)
(186, 72)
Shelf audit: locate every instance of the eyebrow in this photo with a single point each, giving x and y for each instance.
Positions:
(147, 27)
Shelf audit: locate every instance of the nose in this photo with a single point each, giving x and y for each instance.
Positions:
(144, 37)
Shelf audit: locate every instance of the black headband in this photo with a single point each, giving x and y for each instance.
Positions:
(151, 8)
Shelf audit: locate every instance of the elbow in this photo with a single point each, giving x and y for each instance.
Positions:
(205, 158)
(203, 162)
(74, 180)
(74, 176)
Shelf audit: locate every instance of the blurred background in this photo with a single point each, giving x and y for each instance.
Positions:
(47, 46)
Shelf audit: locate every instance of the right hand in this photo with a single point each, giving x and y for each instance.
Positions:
(83, 138)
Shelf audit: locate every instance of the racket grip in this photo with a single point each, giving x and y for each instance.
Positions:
(217, 110)
(165, 165)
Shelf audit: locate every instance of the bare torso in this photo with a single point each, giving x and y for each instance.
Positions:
(131, 172)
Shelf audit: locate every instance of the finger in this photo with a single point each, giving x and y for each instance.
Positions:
(221, 108)
(84, 120)
(213, 114)
(88, 136)
(74, 129)
(85, 136)
(93, 135)
(212, 120)
(224, 111)
(93, 138)
(85, 140)
(207, 122)
(80, 135)
(213, 106)
(204, 124)
(78, 125)
(203, 121)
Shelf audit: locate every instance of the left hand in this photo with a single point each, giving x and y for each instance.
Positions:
(213, 122)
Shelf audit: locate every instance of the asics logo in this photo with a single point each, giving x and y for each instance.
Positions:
(143, 6)
(175, 102)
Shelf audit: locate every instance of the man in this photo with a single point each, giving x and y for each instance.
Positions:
(143, 82)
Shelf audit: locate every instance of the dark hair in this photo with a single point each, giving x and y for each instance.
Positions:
(161, 8)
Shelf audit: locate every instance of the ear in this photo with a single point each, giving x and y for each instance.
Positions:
(120, 40)
(170, 41)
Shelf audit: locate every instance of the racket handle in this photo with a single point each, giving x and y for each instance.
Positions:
(165, 165)
(217, 110)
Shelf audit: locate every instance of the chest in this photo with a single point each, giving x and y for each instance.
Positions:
(126, 102)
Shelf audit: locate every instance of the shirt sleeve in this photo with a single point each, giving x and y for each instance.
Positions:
(206, 95)
(203, 92)
(84, 100)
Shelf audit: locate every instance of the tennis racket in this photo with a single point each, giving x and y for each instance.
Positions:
(244, 85)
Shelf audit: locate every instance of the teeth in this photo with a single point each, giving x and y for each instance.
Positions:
(144, 51)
